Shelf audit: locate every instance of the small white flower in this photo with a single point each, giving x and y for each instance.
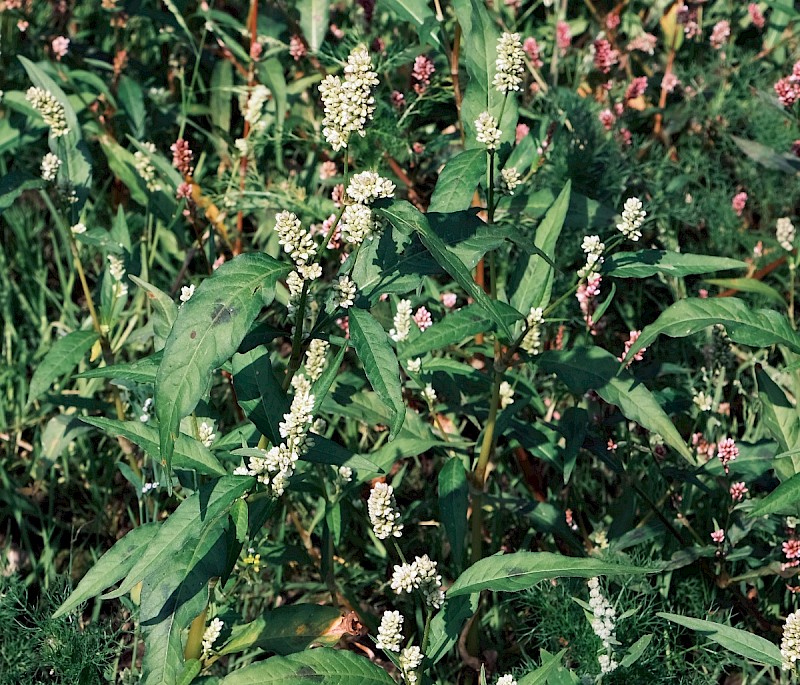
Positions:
(487, 131)
(414, 365)
(703, 402)
(506, 395)
(206, 433)
(78, 229)
(785, 233)
(253, 110)
(116, 267)
(410, 660)
(345, 292)
(593, 248)
(295, 239)
(429, 394)
(510, 63)
(357, 223)
(532, 342)
(405, 578)
(383, 512)
(510, 178)
(145, 167)
(147, 487)
(632, 219)
(210, 635)
(506, 679)
(315, 358)
(390, 631)
(346, 473)
(368, 186)
(50, 109)
(50, 166)
(186, 293)
(790, 643)
(402, 322)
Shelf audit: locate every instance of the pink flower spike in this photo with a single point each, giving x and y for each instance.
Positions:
(738, 203)
(634, 336)
(522, 131)
(720, 34)
(738, 491)
(791, 548)
(756, 16)
(422, 317)
(60, 47)
(449, 300)
(534, 52)
(182, 156)
(605, 56)
(718, 536)
(421, 74)
(563, 36)
(297, 48)
(727, 451)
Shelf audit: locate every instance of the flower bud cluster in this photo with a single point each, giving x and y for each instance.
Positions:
(358, 222)
(603, 624)
(510, 63)
(145, 167)
(419, 575)
(402, 322)
(790, 644)
(532, 342)
(344, 292)
(383, 512)
(593, 248)
(410, 660)
(632, 219)
(211, 634)
(348, 101)
(784, 231)
(50, 109)
(316, 360)
(390, 631)
(487, 132)
(50, 166)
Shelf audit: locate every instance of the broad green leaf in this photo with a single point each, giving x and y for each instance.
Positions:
(750, 285)
(453, 505)
(532, 281)
(271, 74)
(521, 570)
(191, 669)
(418, 13)
(479, 47)
(647, 263)
(322, 666)
(636, 650)
(76, 163)
(201, 510)
(402, 214)
(173, 596)
(593, 368)
(447, 624)
(314, 21)
(287, 629)
(784, 499)
(165, 311)
(111, 567)
(779, 415)
(456, 184)
(549, 664)
(759, 328)
(323, 384)
(189, 454)
(221, 94)
(455, 328)
(380, 363)
(61, 359)
(206, 333)
(767, 157)
(131, 98)
(13, 184)
(741, 642)
(141, 371)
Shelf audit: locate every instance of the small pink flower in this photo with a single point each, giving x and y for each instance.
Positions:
(756, 16)
(611, 446)
(720, 34)
(327, 170)
(449, 300)
(422, 317)
(184, 191)
(534, 52)
(738, 491)
(337, 33)
(644, 43)
(627, 136)
(607, 119)
(738, 203)
(636, 88)
(570, 520)
(297, 48)
(718, 536)
(670, 82)
(586, 294)
(702, 294)
(758, 250)
(256, 49)
(791, 548)
(421, 74)
(336, 239)
(605, 56)
(218, 262)
(417, 148)
(337, 194)
(182, 156)
(398, 99)
(787, 91)
(22, 25)
(612, 21)
(522, 131)
(727, 451)
(563, 36)
(60, 47)
(634, 336)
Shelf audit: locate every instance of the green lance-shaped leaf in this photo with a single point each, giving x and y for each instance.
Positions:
(380, 363)
(165, 311)
(534, 283)
(750, 285)
(201, 510)
(593, 368)
(447, 624)
(783, 499)
(206, 333)
(111, 567)
(419, 14)
(314, 21)
(550, 664)
(646, 263)
(780, 416)
(76, 162)
(759, 328)
(173, 596)
(456, 184)
(141, 371)
(741, 642)
(189, 453)
(453, 505)
(405, 217)
(480, 35)
(221, 94)
(61, 359)
(287, 630)
(322, 666)
(521, 570)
